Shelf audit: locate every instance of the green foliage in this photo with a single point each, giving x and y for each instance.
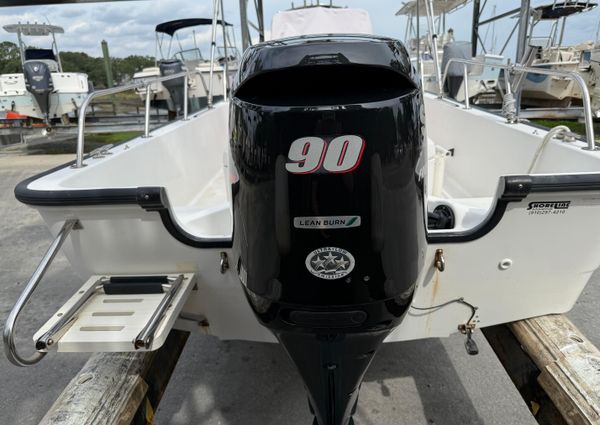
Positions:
(123, 68)
(10, 61)
(574, 125)
(82, 62)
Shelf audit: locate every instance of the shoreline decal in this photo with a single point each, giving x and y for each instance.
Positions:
(330, 263)
(548, 207)
(332, 222)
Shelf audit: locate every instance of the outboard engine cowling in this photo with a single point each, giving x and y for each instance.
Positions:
(175, 86)
(328, 201)
(38, 82)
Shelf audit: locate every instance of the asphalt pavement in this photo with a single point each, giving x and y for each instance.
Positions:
(421, 382)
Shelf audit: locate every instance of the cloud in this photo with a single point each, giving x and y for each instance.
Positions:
(128, 26)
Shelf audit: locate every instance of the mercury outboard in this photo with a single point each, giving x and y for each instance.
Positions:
(328, 201)
(38, 81)
(175, 87)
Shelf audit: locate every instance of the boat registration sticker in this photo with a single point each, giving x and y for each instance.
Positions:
(330, 263)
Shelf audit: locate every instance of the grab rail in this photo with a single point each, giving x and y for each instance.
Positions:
(9, 329)
(145, 83)
(587, 104)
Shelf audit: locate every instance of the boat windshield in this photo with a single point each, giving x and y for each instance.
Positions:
(189, 55)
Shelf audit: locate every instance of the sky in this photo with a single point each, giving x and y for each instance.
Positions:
(128, 26)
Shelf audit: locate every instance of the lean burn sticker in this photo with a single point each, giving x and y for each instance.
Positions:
(548, 207)
(333, 222)
(330, 263)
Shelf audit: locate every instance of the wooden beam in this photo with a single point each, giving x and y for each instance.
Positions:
(117, 388)
(523, 372)
(553, 365)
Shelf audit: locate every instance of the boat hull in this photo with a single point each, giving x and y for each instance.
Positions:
(552, 251)
(70, 90)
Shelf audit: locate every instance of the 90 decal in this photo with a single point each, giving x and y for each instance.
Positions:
(309, 155)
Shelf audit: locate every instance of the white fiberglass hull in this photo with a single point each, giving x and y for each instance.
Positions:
(550, 90)
(70, 89)
(199, 83)
(482, 80)
(512, 255)
(592, 77)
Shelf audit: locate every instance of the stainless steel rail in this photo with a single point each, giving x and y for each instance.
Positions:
(213, 46)
(146, 83)
(9, 328)
(52, 335)
(585, 94)
(145, 337)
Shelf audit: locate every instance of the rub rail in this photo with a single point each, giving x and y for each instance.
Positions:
(9, 328)
(587, 104)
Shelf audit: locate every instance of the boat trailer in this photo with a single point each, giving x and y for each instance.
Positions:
(554, 367)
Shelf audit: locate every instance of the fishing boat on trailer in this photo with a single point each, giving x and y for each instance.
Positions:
(328, 204)
(201, 75)
(590, 65)
(43, 91)
(549, 52)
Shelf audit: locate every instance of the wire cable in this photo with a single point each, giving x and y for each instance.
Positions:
(457, 300)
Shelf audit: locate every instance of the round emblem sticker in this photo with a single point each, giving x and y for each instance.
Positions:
(330, 263)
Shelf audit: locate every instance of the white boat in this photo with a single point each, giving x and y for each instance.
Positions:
(329, 205)
(590, 70)
(482, 80)
(200, 76)
(550, 53)
(43, 91)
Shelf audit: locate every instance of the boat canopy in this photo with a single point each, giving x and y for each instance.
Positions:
(172, 27)
(34, 29)
(320, 20)
(560, 10)
(439, 7)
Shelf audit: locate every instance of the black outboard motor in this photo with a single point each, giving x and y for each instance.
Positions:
(329, 215)
(175, 86)
(38, 81)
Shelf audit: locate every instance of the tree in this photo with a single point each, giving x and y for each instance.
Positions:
(82, 62)
(123, 68)
(10, 58)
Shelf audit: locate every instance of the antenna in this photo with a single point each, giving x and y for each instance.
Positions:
(194, 35)
(493, 49)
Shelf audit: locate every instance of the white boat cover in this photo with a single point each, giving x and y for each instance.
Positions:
(320, 20)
